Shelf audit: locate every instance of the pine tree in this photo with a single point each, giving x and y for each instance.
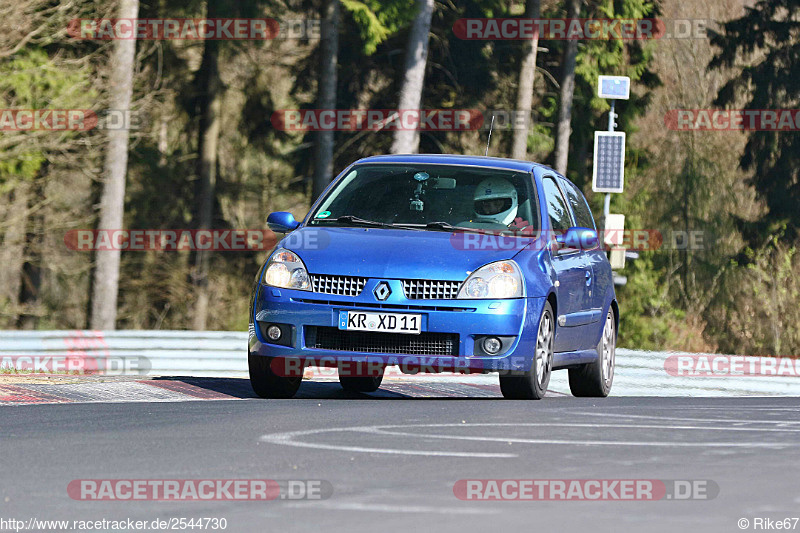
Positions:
(768, 33)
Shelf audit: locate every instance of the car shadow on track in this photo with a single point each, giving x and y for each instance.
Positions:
(331, 390)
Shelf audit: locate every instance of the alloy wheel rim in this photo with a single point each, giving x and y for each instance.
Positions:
(544, 343)
(608, 349)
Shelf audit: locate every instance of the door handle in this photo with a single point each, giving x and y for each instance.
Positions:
(588, 278)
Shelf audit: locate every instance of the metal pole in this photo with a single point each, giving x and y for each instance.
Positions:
(612, 116)
(611, 123)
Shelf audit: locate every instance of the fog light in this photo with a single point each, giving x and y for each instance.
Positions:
(274, 332)
(492, 345)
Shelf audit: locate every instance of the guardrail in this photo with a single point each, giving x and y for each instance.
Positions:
(223, 354)
(166, 353)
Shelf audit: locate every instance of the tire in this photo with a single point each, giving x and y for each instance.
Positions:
(532, 385)
(268, 384)
(361, 383)
(594, 379)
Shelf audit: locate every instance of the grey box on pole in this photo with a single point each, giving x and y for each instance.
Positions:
(614, 87)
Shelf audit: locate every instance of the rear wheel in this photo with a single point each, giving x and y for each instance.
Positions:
(532, 385)
(594, 380)
(266, 383)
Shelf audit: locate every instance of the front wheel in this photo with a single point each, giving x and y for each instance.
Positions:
(594, 380)
(266, 383)
(361, 383)
(532, 385)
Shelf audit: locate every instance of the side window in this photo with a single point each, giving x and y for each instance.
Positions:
(556, 207)
(583, 215)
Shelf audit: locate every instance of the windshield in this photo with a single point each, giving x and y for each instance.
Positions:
(433, 197)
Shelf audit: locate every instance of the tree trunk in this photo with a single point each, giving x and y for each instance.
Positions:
(407, 141)
(326, 99)
(564, 130)
(12, 254)
(211, 104)
(527, 73)
(112, 202)
(30, 288)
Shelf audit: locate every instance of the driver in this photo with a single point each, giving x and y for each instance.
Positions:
(496, 201)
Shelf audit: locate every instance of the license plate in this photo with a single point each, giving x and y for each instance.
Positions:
(384, 322)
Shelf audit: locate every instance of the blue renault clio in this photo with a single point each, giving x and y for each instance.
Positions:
(437, 263)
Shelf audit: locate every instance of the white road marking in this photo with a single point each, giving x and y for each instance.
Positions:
(643, 426)
(378, 430)
(287, 439)
(290, 438)
(386, 508)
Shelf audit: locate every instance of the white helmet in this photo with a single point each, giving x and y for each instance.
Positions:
(496, 201)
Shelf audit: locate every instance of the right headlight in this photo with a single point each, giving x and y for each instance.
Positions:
(502, 279)
(287, 271)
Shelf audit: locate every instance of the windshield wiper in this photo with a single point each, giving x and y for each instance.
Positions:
(352, 219)
(440, 225)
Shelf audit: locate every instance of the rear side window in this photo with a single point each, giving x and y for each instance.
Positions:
(556, 207)
(583, 215)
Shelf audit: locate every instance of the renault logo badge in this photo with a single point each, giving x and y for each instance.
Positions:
(382, 291)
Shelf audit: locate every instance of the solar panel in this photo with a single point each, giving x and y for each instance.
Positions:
(608, 170)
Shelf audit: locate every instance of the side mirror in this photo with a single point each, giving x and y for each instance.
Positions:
(282, 222)
(575, 239)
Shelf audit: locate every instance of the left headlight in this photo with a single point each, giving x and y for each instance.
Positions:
(502, 279)
(287, 271)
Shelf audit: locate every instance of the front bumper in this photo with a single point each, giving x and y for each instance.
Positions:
(463, 321)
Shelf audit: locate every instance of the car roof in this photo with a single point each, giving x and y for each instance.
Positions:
(447, 159)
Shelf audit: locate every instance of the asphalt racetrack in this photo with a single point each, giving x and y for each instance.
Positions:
(392, 460)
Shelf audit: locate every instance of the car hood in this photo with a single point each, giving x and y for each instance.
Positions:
(392, 253)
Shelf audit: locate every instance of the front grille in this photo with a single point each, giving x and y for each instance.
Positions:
(338, 285)
(424, 289)
(396, 307)
(426, 343)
